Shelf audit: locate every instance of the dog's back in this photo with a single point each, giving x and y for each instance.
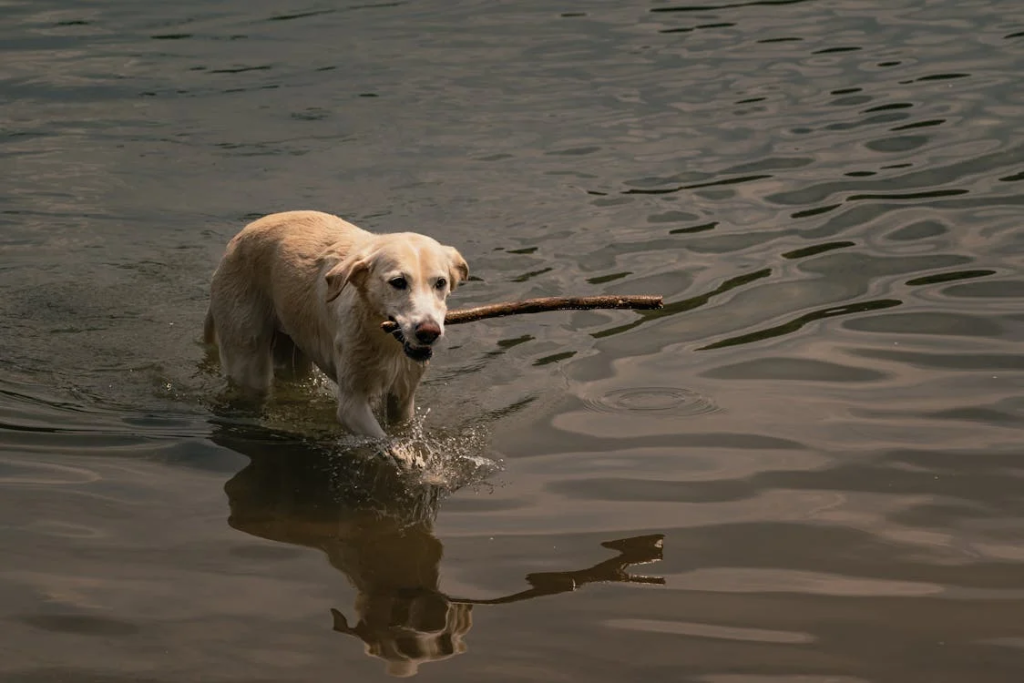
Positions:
(266, 284)
(282, 245)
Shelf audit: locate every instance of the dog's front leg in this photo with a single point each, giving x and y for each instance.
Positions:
(401, 397)
(355, 415)
(401, 407)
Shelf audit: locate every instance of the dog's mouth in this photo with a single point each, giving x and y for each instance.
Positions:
(420, 354)
(417, 353)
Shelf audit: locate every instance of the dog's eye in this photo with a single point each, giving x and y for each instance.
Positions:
(398, 282)
(441, 283)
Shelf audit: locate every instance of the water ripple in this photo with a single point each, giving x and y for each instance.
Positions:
(822, 425)
(670, 402)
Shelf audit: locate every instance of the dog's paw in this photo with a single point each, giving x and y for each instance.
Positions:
(406, 457)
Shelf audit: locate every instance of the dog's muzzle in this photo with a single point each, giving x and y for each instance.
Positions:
(420, 354)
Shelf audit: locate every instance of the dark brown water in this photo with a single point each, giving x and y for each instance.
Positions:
(808, 467)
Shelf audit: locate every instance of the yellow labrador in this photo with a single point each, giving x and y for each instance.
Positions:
(313, 288)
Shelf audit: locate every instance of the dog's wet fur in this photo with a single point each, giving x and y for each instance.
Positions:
(315, 282)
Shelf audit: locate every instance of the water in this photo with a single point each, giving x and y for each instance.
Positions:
(807, 467)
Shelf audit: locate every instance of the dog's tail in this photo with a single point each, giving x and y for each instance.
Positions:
(209, 331)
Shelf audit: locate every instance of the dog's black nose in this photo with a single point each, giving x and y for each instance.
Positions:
(427, 333)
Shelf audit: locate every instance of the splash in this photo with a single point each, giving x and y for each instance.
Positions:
(438, 458)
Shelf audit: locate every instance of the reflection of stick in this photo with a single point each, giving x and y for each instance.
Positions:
(551, 303)
(636, 550)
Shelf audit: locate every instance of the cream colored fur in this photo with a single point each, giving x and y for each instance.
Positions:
(307, 288)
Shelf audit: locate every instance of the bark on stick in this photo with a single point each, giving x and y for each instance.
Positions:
(551, 303)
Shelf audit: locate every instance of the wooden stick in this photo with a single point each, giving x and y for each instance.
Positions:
(550, 303)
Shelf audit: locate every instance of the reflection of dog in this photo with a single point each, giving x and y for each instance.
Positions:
(377, 529)
(407, 626)
(312, 288)
(374, 525)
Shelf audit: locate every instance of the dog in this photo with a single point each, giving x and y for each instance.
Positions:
(307, 288)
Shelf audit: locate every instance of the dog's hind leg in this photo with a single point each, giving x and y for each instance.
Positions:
(289, 360)
(248, 363)
(245, 332)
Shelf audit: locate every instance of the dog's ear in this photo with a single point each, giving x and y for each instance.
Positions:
(458, 269)
(341, 623)
(353, 270)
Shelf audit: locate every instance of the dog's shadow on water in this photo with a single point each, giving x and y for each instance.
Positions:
(375, 523)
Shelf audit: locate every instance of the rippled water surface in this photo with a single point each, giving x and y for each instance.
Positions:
(807, 467)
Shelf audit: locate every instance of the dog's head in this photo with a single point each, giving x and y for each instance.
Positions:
(409, 628)
(404, 277)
